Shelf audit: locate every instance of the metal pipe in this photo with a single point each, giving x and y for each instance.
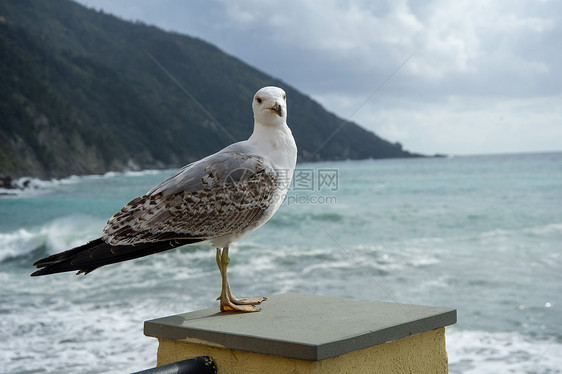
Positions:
(195, 365)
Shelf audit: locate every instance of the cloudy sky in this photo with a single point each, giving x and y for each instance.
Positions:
(458, 77)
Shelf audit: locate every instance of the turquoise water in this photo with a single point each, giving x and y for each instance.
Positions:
(482, 234)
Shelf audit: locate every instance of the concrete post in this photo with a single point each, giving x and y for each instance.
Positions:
(297, 333)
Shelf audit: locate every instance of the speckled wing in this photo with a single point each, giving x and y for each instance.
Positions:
(225, 193)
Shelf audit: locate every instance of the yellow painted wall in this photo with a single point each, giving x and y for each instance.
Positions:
(422, 353)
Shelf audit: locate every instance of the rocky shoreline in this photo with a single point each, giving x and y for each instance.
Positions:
(8, 184)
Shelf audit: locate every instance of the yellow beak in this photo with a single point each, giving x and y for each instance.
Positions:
(277, 109)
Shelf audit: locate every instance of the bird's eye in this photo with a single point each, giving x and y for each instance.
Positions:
(284, 97)
(258, 100)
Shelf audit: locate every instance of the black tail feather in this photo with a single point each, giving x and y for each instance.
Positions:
(97, 253)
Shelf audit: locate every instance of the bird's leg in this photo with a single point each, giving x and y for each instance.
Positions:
(227, 299)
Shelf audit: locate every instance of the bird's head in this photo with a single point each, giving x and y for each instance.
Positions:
(270, 106)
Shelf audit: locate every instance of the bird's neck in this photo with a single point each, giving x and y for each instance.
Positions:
(277, 143)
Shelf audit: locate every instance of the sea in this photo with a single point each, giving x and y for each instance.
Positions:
(481, 234)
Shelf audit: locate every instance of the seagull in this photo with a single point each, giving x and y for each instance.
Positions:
(218, 200)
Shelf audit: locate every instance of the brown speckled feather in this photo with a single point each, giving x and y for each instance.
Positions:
(230, 199)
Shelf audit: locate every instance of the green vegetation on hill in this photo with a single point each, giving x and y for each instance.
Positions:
(80, 94)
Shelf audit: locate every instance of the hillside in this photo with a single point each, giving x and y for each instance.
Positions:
(80, 93)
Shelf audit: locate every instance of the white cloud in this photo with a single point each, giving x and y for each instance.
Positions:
(464, 125)
(476, 61)
(458, 37)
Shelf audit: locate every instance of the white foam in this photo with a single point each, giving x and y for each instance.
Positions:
(68, 232)
(27, 186)
(58, 235)
(133, 173)
(547, 229)
(142, 173)
(78, 338)
(552, 228)
(501, 352)
(18, 243)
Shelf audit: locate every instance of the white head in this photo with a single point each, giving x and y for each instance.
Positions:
(270, 106)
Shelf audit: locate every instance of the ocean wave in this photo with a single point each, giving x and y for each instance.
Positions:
(56, 236)
(26, 186)
(309, 261)
(19, 243)
(547, 229)
(483, 352)
(141, 173)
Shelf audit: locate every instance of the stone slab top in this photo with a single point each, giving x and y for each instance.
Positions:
(305, 327)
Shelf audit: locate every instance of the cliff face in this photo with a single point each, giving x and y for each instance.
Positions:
(81, 93)
(40, 134)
